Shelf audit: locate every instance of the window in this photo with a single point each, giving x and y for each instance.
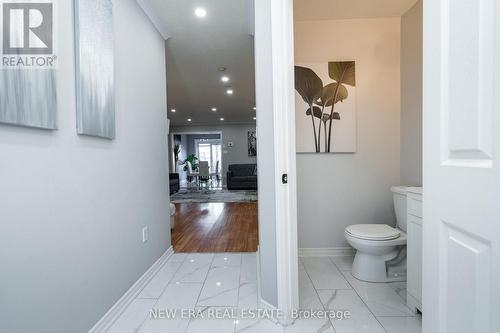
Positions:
(210, 151)
(204, 152)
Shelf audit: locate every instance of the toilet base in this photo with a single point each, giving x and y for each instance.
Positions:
(374, 268)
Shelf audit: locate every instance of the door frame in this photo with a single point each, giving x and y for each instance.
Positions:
(286, 196)
(277, 15)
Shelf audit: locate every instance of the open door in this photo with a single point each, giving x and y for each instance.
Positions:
(461, 290)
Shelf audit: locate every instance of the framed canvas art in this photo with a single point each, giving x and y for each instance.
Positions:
(28, 97)
(252, 143)
(325, 107)
(95, 100)
(28, 87)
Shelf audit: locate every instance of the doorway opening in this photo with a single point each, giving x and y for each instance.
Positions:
(359, 245)
(212, 113)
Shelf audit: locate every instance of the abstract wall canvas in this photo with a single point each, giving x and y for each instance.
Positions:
(325, 107)
(28, 97)
(95, 68)
(252, 143)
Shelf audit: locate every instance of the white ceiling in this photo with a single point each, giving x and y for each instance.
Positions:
(348, 9)
(195, 50)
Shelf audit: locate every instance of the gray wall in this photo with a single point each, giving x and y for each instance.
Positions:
(411, 96)
(72, 207)
(336, 190)
(236, 133)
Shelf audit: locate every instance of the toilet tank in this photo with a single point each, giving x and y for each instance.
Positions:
(399, 197)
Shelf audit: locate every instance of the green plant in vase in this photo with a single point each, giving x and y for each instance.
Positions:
(193, 160)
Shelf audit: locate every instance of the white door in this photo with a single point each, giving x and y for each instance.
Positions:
(461, 286)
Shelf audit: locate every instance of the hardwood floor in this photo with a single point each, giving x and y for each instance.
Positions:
(216, 227)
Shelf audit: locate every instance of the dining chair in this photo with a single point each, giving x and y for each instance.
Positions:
(216, 173)
(204, 172)
(190, 173)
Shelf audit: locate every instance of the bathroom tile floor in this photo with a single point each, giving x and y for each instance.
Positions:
(226, 284)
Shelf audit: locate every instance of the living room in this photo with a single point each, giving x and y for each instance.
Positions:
(229, 151)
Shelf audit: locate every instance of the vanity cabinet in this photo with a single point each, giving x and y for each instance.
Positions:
(414, 248)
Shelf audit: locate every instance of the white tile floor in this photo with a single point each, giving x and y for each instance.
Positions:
(210, 282)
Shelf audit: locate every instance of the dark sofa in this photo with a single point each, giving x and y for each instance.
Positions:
(174, 183)
(242, 177)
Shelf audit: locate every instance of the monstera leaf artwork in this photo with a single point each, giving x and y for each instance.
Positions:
(326, 91)
(309, 86)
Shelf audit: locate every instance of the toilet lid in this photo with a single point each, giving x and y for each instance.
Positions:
(373, 231)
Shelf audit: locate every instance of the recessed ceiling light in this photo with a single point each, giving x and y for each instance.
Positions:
(214, 109)
(173, 110)
(189, 119)
(254, 118)
(230, 91)
(221, 119)
(255, 108)
(200, 12)
(224, 79)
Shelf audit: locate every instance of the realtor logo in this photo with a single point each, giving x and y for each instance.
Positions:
(27, 28)
(27, 33)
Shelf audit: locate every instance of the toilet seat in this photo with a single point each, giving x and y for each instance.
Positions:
(376, 232)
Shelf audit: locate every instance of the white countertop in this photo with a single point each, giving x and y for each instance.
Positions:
(415, 190)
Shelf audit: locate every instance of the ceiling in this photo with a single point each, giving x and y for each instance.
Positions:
(195, 50)
(349, 9)
(197, 47)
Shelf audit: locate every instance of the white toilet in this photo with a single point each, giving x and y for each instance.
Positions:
(380, 248)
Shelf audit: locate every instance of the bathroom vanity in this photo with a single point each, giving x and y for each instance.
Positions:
(414, 248)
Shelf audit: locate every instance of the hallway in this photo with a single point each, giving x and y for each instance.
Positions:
(211, 282)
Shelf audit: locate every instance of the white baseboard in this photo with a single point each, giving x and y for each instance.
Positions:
(326, 252)
(259, 288)
(117, 309)
(265, 305)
